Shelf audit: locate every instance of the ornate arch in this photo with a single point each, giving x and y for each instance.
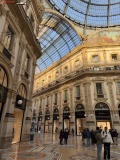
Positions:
(9, 74)
(77, 104)
(27, 88)
(102, 102)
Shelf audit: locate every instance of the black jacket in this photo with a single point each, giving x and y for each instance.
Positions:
(65, 134)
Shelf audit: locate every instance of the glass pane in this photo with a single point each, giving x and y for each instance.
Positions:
(65, 94)
(95, 58)
(99, 88)
(119, 86)
(77, 91)
(56, 98)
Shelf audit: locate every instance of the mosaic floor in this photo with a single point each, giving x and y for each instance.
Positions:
(46, 147)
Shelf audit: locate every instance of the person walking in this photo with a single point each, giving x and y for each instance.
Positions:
(92, 136)
(73, 132)
(88, 135)
(115, 135)
(66, 135)
(99, 141)
(61, 136)
(107, 141)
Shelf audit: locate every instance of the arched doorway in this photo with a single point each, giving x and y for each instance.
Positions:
(39, 121)
(47, 120)
(80, 118)
(66, 118)
(3, 89)
(102, 113)
(19, 110)
(55, 120)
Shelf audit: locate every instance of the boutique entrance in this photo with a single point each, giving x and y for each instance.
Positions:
(66, 118)
(19, 110)
(55, 120)
(80, 118)
(102, 114)
(39, 121)
(47, 120)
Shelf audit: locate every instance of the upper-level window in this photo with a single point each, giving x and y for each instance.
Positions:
(40, 102)
(55, 97)
(47, 100)
(42, 81)
(96, 68)
(22, 91)
(95, 58)
(65, 95)
(57, 74)
(99, 90)
(114, 56)
(77, 63)
(8, 39)
(49, 78)
(66, 69)
(32, 20)
(119, 86)
(27, 61)
(35, 104)
(77, 91)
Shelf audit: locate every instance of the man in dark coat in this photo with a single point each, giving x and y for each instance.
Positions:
(61, 136)
(66, 135)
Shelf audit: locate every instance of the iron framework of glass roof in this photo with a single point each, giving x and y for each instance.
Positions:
(56, 38)
(100, 13)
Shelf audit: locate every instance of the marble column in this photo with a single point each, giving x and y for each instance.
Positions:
(60, 125)
(51, 115)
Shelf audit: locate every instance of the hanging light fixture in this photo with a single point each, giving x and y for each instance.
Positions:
(19, 101)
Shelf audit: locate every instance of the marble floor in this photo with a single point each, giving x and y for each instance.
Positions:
(46, 147)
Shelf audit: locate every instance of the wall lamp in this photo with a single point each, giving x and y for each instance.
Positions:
(115, 115)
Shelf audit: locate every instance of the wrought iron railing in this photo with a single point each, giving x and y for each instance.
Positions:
(77, 73)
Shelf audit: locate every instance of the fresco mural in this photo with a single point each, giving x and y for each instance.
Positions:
(105, 37)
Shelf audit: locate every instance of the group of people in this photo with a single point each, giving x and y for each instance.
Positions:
(64, 135)
(100, 137)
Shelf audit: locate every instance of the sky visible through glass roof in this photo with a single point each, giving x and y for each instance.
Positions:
(90, 12)
(57, 38)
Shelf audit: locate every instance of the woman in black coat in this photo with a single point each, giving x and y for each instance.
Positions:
(66, 135)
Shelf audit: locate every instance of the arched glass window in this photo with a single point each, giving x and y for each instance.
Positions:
(79, 108)
(3, 77)
(22, 91)
(101, 106)
(56, 111)
(66, 110)
(47, 112)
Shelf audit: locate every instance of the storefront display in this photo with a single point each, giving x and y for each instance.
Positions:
(104, 124)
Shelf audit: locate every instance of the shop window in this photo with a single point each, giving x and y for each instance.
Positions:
(114, 56)
(55, 97)
(42, 82)
(96, 68)
(95, 58)
(99, 90)
(57, 74)
(77, 92)
(49, 78)
(65, 95)
(8, 39)
(119, 86)
(40, 102)
(66, 69)
(47, 100)
(77, 63)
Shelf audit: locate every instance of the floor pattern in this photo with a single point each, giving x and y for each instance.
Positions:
(47, 147)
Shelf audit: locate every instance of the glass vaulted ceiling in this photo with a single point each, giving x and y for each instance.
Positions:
(57, 38)
(90, 12)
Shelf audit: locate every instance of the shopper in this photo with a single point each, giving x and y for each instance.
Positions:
(107, 141)
(115, 135)
(83, 136)
(73, 132)
(92, 137)
(88, 135)
(99, 141)
(66, 135)
(61, 136)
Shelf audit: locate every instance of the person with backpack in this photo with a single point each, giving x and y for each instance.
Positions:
(107, 141)
(88, 135)
(115, 135)
(98, 139)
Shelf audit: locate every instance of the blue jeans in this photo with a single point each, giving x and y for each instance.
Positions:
(88, 141)
(99, 150)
